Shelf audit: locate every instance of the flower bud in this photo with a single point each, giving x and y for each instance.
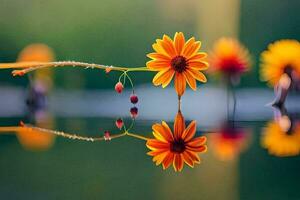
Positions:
(119, 87)
(119, 123)
(134, 112)
(107, 135)
(134, 99)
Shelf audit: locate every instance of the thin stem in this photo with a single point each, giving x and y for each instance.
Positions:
(26, 67)
(131, 83)
(137, 136)
(10, 128)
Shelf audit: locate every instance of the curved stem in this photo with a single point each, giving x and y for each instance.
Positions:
(26, 67)
(137, 136)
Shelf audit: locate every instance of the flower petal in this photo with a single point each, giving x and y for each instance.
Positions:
(168, 160)
(179, 126)
(159, 49)
(163, 76)
(197, 142)
(158, 56)
(158, 65)
(178, 162)
(197, 75)
(190, 80)
(156, 152)
(180, 83)
(188, 159)
(198, 56)
(198, 65)
(179, 41)
(164, 133)
(193, 155)
(160, 157)
(189, 132)
(202, 148)
(154, 144)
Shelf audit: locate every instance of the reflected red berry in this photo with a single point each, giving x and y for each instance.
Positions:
(107, 135)
(134, 112)
(134, 99)
(119, 123)
(119, 87)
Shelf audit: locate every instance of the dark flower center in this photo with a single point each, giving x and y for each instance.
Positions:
(179, 63)
(178, 146)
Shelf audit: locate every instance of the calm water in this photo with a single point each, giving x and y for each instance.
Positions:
(120, 169)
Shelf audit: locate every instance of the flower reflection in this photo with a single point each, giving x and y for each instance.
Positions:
(229, 142)
(177, 147)
(281, 137)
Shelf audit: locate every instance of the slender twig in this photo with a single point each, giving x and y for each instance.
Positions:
(26, 67)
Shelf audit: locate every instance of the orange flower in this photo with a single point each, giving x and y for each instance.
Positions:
(229, 57)
(179, 58)
(178, 148)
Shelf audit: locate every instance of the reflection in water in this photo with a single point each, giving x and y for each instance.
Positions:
(281, 137)
(229, 141)
(177, 147)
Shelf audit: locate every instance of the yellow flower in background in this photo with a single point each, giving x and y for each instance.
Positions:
(178, 148)
(279, 141)
(229, 57)
(281, 57)
(177, 58)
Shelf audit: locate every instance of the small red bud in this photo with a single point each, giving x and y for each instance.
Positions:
(134, 99)
(107, 135)
(22, 123)
(119, 123)
(119, 87)
(134, 112)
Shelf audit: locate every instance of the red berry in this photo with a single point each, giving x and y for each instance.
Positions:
(134, 112)
(119, 87)
(134, 99)
(119, 123)
(107, 135)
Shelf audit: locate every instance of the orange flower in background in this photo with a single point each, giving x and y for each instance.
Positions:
(229, 57)
(280, 139)
(177, 58)
(178, 148)
(281, 57)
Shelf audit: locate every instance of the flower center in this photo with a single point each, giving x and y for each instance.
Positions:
(179, 63)
(178, 146)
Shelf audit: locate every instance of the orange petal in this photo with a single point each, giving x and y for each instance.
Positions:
(179, 41)
(188, 45)
(168, 79)
(193, 155)
(168, 160)
(154, 144)
(198, 65)
(201, 148)
(159, 158)
(197, 142)
(167, 46)
(159, 49)
(164, 132)
(179, 125)
(178, 162)
(190, 80)
(198, 56)
(156, 152)
(158, 56)
(197, 75)
(189, 132)
(158, 65)
(188, 159)
(180, 83)
(192, 49)
(162, 77)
